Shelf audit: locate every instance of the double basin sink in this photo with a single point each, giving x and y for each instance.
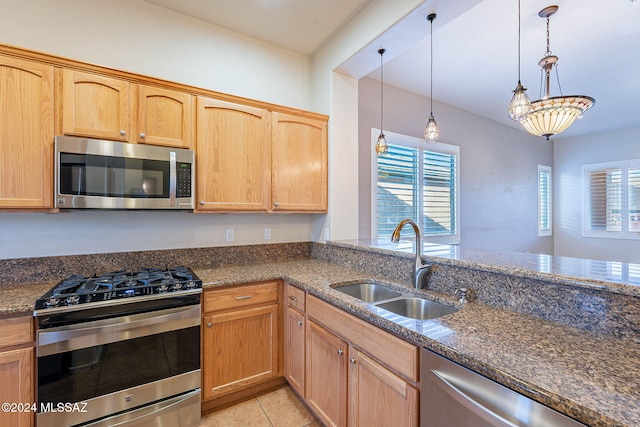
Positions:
(395, 301)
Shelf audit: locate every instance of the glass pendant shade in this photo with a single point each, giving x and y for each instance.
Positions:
(553, 115)
(520, 104)
(431, 131)
(381, 146)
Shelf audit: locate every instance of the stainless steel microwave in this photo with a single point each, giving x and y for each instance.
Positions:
(99, 174)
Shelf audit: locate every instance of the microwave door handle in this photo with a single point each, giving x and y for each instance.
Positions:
(172, 179)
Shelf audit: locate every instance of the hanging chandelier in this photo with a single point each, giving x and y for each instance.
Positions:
(381, 145)
(520, 104)
(551, 115)
(431, 131)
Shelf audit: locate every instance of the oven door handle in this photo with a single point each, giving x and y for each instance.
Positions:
(75, 337)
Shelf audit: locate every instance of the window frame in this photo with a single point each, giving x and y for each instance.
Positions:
(623, 166)
(545, 232)
(417, 143)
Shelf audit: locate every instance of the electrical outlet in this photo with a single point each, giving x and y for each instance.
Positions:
(267, 234)
(229, 235)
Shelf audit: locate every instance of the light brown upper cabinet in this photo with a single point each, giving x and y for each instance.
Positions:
(298, 164)
(26, 134)
(232, 156)
(94, 106)
(98, 106)
(165, 117)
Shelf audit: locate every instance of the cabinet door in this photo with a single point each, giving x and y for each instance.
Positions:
(377, 397)
(294, 350)
(26, 134)
(240, 348)
(165, 117)
(326, 386)
(232, 156)
(95, 106)
(16, 371)
(299, 164)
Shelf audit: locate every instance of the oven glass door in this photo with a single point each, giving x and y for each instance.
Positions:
(81, 374)
(109, 176)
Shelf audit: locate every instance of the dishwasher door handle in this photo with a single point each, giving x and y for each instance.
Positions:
(469, 402)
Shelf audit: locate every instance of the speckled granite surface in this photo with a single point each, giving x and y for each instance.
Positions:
(593, 377)
(590, 377)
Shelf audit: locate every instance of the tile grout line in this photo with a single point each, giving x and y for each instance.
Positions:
(264, 412)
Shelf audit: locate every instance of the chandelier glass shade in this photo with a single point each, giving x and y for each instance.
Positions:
(552, 115)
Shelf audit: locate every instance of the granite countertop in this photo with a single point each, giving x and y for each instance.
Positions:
(590, 377)
(593, 378)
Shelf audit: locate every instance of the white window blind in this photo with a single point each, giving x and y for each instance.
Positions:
(612, 199)
(417, 183)
(545, 198)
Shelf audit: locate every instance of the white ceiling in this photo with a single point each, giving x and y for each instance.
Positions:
(475, 48)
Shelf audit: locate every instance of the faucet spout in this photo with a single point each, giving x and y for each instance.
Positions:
(418, 274)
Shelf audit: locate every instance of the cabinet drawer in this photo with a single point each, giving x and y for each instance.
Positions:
(16, 331)
(397, 354)
(295, 297)
(240, 296)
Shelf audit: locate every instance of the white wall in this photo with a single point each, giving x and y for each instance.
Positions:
(498, 167)
(570, 154)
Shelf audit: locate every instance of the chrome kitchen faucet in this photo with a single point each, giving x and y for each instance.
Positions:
(420, 270)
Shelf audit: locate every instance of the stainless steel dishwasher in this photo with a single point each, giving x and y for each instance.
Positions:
(452, 395)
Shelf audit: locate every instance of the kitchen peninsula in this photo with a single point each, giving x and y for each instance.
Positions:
(581, 362)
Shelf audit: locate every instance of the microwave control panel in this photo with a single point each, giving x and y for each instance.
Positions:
(183, 185)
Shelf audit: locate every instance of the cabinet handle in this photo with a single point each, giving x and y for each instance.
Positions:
(142, 135)
(299, 322)
(209, 325)
(292, 298)
(340, 351)
(243, 297)
(352, 360)
(122, 133)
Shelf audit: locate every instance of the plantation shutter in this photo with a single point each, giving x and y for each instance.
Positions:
(605, 200)
(439, 193)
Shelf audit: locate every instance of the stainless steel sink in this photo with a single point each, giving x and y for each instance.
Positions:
(417, 308)
(368, 292)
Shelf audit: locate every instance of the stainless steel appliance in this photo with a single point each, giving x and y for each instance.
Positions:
(121, 348)
(452, 395)
(98, 174)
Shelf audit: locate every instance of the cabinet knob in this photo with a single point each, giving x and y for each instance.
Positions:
(352, 360)
(276, 204)
(142, 135)
(122, 133)
(299, 322)
(340, 351)
(202, 202)
(209, 325)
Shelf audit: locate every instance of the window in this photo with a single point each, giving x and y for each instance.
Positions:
(418, 181)
(545, 212)
(612, 199)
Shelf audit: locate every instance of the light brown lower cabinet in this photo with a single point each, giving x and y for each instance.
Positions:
(294, 332)
(17, 360)
(356, 374)
(241, 338)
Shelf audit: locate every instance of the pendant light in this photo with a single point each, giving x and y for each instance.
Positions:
(520, 104)
(431, 131)
(551, 115)
(381, 146)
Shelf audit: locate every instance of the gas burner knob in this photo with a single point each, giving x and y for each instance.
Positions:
(52, 302)
(74, 299)
(178, 286)
(191, 284)
(162, 289)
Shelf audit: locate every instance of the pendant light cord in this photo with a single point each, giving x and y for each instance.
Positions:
(519, 42)
(431, 18)
(381, 52)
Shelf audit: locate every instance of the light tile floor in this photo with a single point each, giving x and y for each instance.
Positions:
(279, 408)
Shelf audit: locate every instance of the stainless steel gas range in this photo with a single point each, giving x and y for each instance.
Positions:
(120, 348)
